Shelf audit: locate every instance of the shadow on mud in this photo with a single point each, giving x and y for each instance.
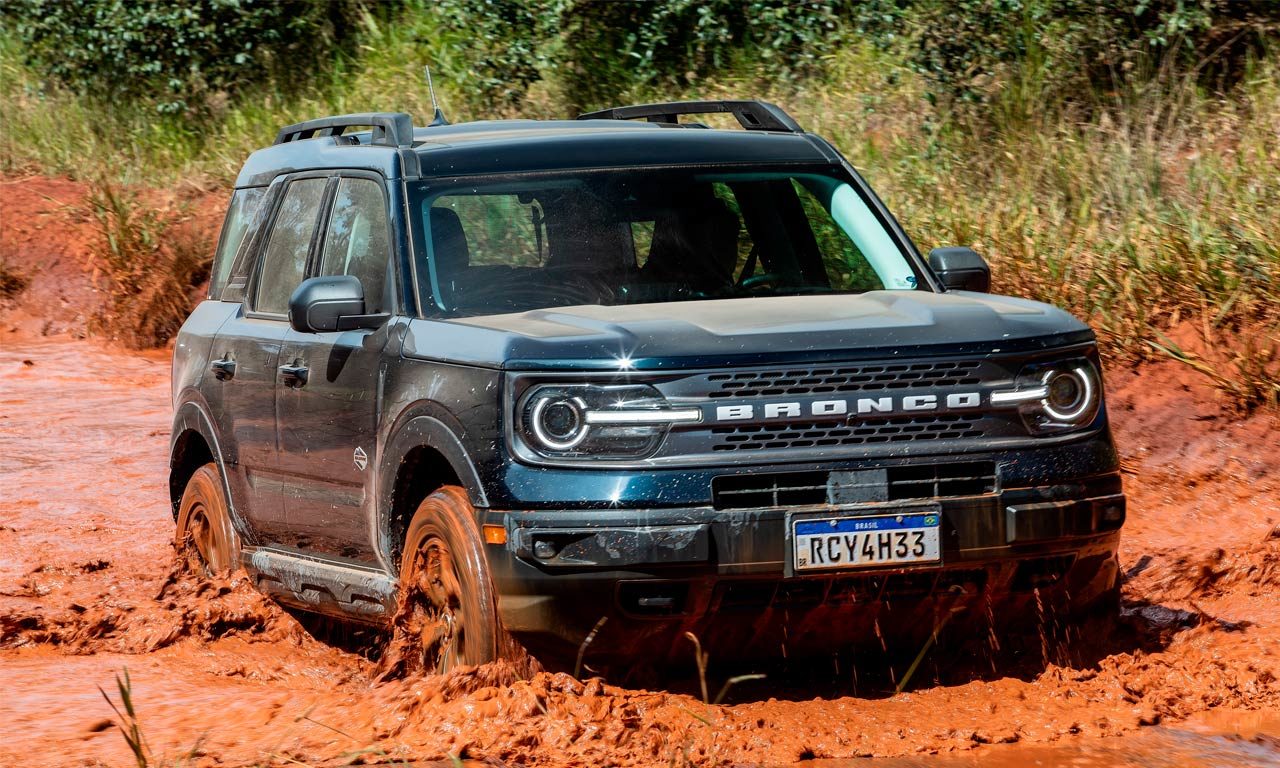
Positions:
(958, 653)
(361, 640)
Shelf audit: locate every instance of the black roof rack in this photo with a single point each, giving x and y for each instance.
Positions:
(752, 115)
(390, 129)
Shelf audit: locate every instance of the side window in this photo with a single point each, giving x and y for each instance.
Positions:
(357, 243)
(285, 259)
(642, 240)
(244, 207)
(847, 266)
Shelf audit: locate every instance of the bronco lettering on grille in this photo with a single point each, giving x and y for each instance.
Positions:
(862, 406)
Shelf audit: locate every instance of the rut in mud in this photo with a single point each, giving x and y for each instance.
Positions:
(89, 587)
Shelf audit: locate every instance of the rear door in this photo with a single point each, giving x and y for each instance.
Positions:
(246, 356)
(327, 425)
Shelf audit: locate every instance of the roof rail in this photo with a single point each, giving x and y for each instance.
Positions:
(390, 129)
(752, 115)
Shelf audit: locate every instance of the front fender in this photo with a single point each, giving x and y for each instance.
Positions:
(192, 416)
(425, 425)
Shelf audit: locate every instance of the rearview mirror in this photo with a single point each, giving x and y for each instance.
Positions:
(961, 269)
(336, 303)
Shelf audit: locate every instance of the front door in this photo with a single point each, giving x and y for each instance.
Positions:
(245, 355)
(246, 361)
(327, 419)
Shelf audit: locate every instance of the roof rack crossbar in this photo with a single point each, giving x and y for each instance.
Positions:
(752, 115)
(390, 129)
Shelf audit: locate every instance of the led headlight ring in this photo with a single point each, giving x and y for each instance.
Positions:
(559, 423)
(1075, 386)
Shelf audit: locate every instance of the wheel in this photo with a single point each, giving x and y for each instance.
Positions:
(204, 531)
(448, 613)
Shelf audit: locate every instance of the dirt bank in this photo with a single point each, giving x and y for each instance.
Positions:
(52, 241)
(223, 677)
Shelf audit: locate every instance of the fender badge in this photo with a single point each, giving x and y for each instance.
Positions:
(361, 459)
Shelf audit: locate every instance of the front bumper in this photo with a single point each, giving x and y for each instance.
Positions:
(724, 574)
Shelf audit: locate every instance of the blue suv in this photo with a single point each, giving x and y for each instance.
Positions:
(519, 380)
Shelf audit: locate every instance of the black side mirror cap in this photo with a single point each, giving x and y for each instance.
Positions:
(961, 269)
(336, 303)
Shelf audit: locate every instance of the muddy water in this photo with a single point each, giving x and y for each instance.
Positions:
(1154, 748)
(222, 677)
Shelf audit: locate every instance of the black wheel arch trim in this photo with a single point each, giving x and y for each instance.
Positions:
(192, 416)
(423, 424)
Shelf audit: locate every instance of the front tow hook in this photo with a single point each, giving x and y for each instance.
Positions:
(294, 375)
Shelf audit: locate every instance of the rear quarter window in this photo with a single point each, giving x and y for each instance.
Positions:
(240, 215)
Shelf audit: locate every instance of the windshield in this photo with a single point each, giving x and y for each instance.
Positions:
(650, 236)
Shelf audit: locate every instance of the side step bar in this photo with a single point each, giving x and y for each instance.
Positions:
(342, 590)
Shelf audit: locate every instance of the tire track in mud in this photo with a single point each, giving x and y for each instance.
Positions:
(89, 585)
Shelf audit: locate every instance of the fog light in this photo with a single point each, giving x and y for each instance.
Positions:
(544, 549)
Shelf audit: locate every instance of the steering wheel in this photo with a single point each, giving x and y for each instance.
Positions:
(768, 278)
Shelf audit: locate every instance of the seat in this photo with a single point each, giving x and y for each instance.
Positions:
(696, 244)
(450, 252)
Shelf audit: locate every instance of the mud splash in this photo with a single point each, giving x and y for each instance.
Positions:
(183, 607)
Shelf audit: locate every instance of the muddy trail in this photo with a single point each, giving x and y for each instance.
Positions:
(90, 587)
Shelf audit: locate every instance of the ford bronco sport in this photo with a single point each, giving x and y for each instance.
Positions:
(511, 379)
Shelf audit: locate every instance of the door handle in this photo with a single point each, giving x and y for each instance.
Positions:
(223, 369)
(294, 375)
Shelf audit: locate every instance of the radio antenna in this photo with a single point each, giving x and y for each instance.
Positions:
(438, 117)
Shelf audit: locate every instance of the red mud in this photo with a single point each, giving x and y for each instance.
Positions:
(220, 676)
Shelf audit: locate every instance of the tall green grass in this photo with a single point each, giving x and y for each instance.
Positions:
(1143, 207)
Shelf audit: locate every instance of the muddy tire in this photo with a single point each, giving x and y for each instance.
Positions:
(448, 614)
(204, 533)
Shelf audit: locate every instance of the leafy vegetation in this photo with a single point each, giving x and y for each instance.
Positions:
(151, 262)
(1120, 158)
(176, 56)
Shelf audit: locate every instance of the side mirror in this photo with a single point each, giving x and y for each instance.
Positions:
(961, 269)
(323, 304)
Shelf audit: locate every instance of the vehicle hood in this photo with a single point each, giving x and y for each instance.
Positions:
(747, 331)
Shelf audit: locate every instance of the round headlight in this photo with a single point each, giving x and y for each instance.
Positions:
(1069, 394)
(558, 422)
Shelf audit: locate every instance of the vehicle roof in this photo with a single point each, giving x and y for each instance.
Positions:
(514, 146)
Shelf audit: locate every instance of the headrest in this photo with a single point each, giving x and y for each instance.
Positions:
(449, 241)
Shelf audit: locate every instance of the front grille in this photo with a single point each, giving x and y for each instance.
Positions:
(805, 431)
(902, 483)
(935, 481)
(815, 381)
(790, 489)
(899, 429)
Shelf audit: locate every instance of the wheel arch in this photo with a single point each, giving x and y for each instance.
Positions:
(193, 443)
(423, 454)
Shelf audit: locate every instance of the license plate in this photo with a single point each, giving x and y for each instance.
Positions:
(905, 538)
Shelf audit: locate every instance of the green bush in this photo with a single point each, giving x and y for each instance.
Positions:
(501, 45)
(596, 51)
(972, 49)
(179, 57)
(610, 48)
